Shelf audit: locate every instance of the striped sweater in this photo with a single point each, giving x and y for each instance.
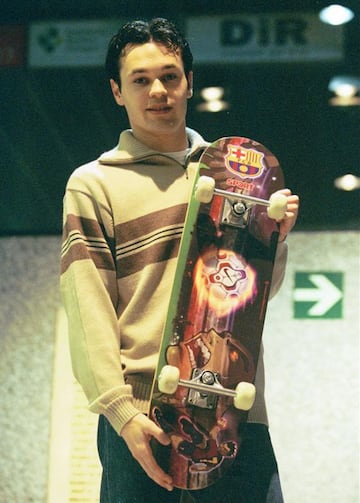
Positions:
(123, 219)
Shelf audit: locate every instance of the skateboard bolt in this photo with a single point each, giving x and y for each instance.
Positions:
(239, 208)
(208, 378)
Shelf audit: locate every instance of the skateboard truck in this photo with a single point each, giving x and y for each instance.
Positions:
(204, 399)
(235, 213)
(205, 190)
(205, 384)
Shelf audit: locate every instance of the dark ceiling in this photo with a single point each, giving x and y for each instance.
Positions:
(53, 120)
(25, 10)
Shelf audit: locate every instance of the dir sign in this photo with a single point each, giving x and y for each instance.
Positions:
(284, 37)
(318, 295)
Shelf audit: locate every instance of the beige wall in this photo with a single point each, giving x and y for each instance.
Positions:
(313, 377)
(312, 374)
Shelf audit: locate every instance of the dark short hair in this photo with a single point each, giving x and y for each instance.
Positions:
(140, 32)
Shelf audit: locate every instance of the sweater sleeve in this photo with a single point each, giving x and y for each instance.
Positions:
(89, 293)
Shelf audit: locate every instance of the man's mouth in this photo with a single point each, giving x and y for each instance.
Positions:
(159, 108)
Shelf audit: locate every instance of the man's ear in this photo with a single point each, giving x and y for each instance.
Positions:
(116, 92)
(190, 84)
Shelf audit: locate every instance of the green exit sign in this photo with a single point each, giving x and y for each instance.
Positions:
(318, 295)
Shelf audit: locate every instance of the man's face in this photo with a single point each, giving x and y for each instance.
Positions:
(154, 91)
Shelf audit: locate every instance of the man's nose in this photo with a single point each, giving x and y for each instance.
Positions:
(157, 88)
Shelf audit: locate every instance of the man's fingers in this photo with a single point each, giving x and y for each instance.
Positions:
(137, 433)
(152, 469)
(162, 437)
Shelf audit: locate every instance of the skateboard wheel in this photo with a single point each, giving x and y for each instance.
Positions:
(277, 207)
(245, 395)
(168, 379)
(204, 189)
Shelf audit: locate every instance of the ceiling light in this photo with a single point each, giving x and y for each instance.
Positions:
(346, 88)
(336, 14)
(344, 85)
(347, 182)
(213, 101)
(213, 106)
(212, 93)
(341, 101)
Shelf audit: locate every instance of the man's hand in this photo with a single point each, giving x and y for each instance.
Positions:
(289, 219)
(137, 434)
(213, 158)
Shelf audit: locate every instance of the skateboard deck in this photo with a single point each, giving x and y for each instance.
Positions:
(210, 346)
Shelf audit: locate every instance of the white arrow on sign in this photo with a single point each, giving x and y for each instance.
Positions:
(325, 295)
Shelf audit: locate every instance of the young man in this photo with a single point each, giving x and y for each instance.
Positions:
(123, 218)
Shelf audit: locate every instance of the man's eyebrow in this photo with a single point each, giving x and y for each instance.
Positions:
(145, 70)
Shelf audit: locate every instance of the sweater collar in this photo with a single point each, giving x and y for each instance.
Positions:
(130, 150)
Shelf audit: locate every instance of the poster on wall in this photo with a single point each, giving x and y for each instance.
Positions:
(70, 43)
(284, 37)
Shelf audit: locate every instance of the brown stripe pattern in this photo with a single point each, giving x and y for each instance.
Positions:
(145, 240)
(83, 239)
(149, 239)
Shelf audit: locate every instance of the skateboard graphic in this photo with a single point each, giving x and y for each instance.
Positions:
(203, 386)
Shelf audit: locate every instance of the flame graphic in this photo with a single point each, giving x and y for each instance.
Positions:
(224, 281)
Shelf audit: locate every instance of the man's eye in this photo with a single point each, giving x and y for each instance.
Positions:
(140, 81)
(169, 77)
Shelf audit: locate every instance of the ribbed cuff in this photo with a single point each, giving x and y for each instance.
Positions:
(119, 412)
(117, 406)
(121, 404)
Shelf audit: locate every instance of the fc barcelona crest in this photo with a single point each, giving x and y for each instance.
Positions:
(244, 162)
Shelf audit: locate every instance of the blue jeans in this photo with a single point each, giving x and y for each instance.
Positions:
(253, 477)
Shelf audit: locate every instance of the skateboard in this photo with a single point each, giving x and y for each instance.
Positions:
(204, 381)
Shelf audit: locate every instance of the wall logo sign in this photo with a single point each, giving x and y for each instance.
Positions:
(318, 295)
(70, 43)
(276, 37)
